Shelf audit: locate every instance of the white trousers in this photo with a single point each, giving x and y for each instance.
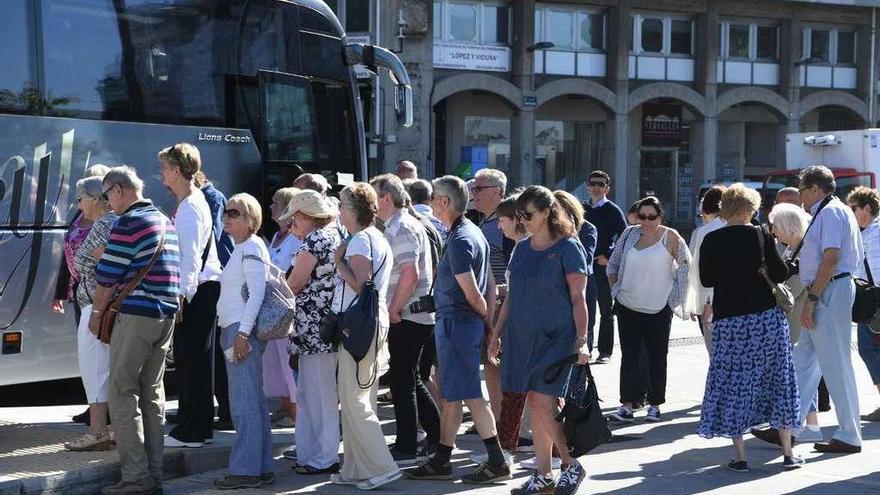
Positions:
(366, 452)
(317, 411)
(825, 351)
(94, 360)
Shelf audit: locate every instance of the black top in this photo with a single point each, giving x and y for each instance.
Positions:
(729, 262)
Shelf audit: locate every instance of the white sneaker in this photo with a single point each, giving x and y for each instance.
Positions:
(484, 457)
(337, 479)
(421, 435)
(811, 435)
(532, 463)
(175, 443)
(377, 481)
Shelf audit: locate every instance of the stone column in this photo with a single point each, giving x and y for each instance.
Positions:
(624, 179)
(705, 166)
(791, 51)
(522, 148)
(522, 125)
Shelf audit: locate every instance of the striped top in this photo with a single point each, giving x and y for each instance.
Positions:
(132, 243)
(410, 244)
(497, 258)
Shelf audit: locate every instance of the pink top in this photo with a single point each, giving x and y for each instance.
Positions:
(73, 239)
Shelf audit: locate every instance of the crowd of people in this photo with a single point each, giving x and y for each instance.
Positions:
(470, 277)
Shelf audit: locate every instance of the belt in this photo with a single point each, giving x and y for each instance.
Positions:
(841, 275)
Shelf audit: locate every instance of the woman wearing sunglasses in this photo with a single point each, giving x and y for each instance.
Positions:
(242, 287)
(648, 273)
(542, 321)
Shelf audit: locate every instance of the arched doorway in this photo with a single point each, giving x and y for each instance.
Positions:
(571, 140)
(472, 124)
(751, 141)
(831, 118)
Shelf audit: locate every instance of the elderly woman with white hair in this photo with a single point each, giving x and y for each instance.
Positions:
(94, 355)
(789, 223)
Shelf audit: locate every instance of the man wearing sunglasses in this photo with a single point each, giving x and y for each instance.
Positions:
(610, 222)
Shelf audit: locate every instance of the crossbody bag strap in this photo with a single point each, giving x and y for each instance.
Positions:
(205, 251)
(824, 202)
(133, 283)
(763, 268)
(868, 271)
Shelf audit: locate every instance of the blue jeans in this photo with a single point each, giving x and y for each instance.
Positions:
(252, 450)
(869, 350)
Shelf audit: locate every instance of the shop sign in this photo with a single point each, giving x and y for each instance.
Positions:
(661, 125)
(466, 56)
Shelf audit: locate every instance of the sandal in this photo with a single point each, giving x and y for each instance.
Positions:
(90, 442)
(310, 470)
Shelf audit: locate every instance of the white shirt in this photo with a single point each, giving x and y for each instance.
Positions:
(702, 295)
(282, 256)
(242, 277)
(597, 204)
(371, 244)
(194, 224)
(871, 241)
(647, 280)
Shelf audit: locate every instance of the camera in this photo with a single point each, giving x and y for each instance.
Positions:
(793, 265)
(424, 304)
(329, 331)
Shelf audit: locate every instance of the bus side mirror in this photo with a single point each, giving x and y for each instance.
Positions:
(376, 57)
(403, 105)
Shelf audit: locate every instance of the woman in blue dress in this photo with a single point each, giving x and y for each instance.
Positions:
(544, 320)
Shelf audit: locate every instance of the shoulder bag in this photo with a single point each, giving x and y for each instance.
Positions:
(582, 422)
(278, 309)
(866, 307)
(781, 292)
(108, 318)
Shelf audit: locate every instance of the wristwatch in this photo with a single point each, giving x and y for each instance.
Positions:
(812, 297)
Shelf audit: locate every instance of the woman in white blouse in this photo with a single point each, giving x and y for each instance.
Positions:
(242, 287)
(700, 306)
(278, 379)
(648, 274)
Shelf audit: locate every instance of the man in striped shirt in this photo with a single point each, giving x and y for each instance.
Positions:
(410, 332)
(143, 327)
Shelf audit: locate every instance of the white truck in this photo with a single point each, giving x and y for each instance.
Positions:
(853, 156)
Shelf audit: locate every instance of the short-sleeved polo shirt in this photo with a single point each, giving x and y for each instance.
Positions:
(466, 251)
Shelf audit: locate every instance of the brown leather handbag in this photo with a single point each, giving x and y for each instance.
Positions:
(108, 318)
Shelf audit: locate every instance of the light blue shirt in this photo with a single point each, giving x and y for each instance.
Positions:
(871, 243)
(597, 204)
(835, 227)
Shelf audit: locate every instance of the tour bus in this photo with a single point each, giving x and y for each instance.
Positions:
(265, 88)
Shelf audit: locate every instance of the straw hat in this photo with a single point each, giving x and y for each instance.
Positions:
(310, 203)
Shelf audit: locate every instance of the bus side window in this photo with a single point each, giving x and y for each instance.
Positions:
(17, 81)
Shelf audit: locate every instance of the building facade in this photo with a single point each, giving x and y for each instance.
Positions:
(664, 95)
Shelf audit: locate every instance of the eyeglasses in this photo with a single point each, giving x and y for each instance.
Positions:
(232, 213)
(598, 183)
(802, 189)
(106, 192)
(649, 218)
(479, 189)
(527, 214)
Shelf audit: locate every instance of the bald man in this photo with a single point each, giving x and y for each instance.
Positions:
(789, 195)
(406, 170)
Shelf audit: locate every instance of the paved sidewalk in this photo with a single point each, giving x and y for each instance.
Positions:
(664, 458)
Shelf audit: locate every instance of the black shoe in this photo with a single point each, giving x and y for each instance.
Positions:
(224, 424)
(739, 466)
(426, 451)
(428, 470)
(525, 445)
(835, 446)
(171, 418)
(83, 418)
(404, 458)
(487, 474)
(237, 482)
(792, 462)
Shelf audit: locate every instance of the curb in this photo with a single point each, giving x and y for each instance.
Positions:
(177, 463)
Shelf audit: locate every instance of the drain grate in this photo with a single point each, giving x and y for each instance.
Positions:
(684, 342)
